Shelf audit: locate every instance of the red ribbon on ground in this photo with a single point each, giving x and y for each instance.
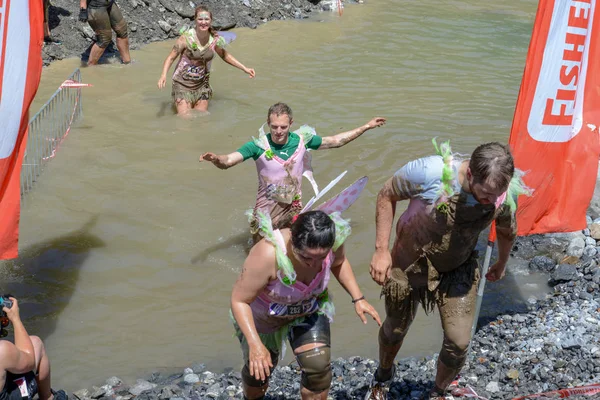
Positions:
(587, 390)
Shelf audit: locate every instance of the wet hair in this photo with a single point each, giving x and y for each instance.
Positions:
(492, 162)
(313, 230)
(200, 9)
(279, 109)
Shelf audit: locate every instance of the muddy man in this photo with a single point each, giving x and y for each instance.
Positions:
(433, 260)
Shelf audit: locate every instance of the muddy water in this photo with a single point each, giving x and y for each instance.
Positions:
(130, 246)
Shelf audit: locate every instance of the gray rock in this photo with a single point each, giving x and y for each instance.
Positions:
(169, 392)
(590, 241)
(113, 381)
(214, 390)
(135, 3)
(590, 251)
(180, 8)
(554, 242)
(542, 263)
(82, 394)
(167, 28)
(198, 367)
(98, 392)
(492, 387)
(191, 378)
(571, 344)
(575, 247)
(585, 296)
(563, 273)
(141, 386)
(87, 31)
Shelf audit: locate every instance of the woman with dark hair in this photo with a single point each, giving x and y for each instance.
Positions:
(282, 292)
(196, 48)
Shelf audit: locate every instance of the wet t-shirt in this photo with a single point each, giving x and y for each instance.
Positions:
(446, 235)
(283, 151)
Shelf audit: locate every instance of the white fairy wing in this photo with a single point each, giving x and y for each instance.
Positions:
(345, 198)
(326, 189)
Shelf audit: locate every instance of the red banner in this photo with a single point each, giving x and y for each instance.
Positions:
(554, 136)
(21, 39)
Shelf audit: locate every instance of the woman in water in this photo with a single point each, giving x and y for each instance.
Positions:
(197, 47)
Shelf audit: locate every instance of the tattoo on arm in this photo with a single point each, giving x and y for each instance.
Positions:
(343, 138)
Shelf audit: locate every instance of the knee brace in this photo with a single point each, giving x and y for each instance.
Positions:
(103, 38)
(316, 368)
(453, 355)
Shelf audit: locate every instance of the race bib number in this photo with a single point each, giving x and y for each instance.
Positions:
(292, 310)
(194, 73)
(22, 384)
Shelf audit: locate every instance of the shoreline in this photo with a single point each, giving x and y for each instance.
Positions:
(158, 20)
(554, 345)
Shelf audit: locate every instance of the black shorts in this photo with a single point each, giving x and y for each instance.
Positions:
(314, 329)
(20, 386)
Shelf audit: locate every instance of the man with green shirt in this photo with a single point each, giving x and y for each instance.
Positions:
(281, 159)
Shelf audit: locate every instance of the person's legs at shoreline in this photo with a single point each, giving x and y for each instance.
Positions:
(401, 305)
(119, 25)
(48, 39)
(42, 365)
(42, 369)
(100, 22)
(311, 342)
(457, 312)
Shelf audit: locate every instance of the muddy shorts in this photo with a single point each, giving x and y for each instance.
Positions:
(104, 20)
(192, 93)
(454, 292)
(46, 10)
(314, 329)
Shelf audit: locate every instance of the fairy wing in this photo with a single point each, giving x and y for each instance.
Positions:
(345, 198)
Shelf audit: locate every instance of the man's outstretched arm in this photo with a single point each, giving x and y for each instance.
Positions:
(223, 161)
(341, 139)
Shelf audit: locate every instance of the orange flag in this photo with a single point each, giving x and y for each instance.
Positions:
(554, 135)
(21, 39)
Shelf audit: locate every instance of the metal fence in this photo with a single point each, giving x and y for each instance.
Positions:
(48, 128)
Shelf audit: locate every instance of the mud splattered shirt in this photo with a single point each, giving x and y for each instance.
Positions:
(446, 237)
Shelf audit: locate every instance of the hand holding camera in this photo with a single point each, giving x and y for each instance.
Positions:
(9, 310)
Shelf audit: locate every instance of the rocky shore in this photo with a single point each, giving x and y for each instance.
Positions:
(554, 345)
(156, 20)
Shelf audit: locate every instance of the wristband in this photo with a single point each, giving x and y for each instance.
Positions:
(354, 301)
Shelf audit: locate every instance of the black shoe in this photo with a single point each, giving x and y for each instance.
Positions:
(59, 395)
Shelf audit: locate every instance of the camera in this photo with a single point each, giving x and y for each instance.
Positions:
(4, 321)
